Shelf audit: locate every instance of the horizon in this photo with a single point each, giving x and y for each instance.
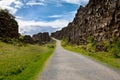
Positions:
(34, 16)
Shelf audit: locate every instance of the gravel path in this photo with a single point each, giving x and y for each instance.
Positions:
(66, 65)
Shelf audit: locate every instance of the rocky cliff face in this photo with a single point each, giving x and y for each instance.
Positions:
(8, 25)
(41, 38)
(28, 39)
(99, 19)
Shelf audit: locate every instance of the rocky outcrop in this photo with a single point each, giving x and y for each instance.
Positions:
(8, 25)
(99, 19)
(41, 38)
(28, 39)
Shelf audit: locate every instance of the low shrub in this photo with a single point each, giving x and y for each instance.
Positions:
(115, 48)
(50, 45)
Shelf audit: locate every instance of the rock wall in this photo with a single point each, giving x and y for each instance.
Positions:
(8, 25)
(28, 39)
(41, 38)
(99, 18)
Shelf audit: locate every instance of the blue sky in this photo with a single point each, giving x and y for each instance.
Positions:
(35, 16)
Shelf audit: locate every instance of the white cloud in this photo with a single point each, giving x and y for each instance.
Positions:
(54, 24)
(76, 1)
(11, 9)
(34, 3)
(6, 4)
(55, 16)
(18, 4)
(18, 17)
(29, 26)
(26, 26)
(66, 16)
(59, 2)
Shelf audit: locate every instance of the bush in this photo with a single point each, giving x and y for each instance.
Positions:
(116, 52)
(64, 42)
(91, 40)
(91, 44)
(90, 47)
(50, 45)
(21, 38)
(116, 48)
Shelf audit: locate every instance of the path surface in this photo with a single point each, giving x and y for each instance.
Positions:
(66, 65)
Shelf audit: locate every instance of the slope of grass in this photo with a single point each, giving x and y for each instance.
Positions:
(22, 62)
(104, 57)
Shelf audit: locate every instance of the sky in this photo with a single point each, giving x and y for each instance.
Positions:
(34, 16)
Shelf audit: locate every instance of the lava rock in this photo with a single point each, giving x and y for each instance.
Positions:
(99, 19)
(41, 38)
(28, 39)
(8, 25)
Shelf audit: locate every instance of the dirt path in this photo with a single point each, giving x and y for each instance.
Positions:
(66, 65)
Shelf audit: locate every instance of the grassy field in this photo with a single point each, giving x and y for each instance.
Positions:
(23, 62)
(104, 57)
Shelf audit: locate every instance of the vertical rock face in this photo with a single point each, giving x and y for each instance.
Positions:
(28, 39)
(99, 18)
(41, 38)
(8, 25)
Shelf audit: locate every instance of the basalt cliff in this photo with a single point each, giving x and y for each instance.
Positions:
(40, 38)
(8, 25)
(99, 19)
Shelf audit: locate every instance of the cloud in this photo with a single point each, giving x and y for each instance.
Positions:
(76, 1)
(32, 26)
(11, 9)
(6, 4)
(34, 3)
(18, 17)
(55, 16)
(59, 2)
(66, 16)
(36, 29)
(28, 26)
(55, 24)
(18, 4)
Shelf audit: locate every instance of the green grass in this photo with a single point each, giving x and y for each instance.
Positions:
(104, 57)
(23, 62)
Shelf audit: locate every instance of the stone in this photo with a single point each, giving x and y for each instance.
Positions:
(28, 39)
(99, 19)
(8, 25)
(41, 38)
